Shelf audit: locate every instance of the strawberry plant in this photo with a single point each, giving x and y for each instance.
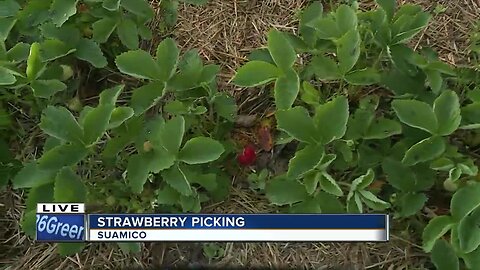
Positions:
(362, 106)
(163, 149)
(162, 136)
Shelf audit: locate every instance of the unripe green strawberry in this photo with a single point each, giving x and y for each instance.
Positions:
(449, 185)
(111, 201)
(75, 104)
(67, 72)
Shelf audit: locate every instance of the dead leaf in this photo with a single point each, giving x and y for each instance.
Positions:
(264, 135)
(246, 120)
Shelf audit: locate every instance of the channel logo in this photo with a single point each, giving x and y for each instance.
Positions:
(60, 223)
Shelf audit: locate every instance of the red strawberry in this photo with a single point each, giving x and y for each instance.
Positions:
(248, 156)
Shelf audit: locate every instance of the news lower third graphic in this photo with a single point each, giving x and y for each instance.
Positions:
(69, 222)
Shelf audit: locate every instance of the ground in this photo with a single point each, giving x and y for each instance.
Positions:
(224, 31)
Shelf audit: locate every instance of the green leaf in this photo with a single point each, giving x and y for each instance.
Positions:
(190, 203)
(138, 7)
(19, 52)
(373, 201)
(195, 2)
(167, 58)
(190, 72)
(39, 194)
(324, 68)
(61, 10)
(469, 232)
(69, 187)
(454, 174)
(346, 18)
(47, 88)
(109, 96)
(160, 160)
(168, 196)
(32, 176)
(310, 181)
(129, 247)
(262, 55)
(209, 74)
(225, 106)
(282, 191)
(305, 161)
(326, 161)
(416, 114)
(147, 96)
(139, 64)
(442, 164)
(472, 259)
(28, 223)
(127, 31)
(436, 228)
(382, 128)
(311, 13)
(208, 181)
(348, 50)
(9, 8)
(119, 116)
(309, 94)
(96, 123)
(468, 167)
(362, 182)
(297, 123)
(6, 25)
(137, 172)
(388, 6)
(425, 150)
(256, 73)
(366, 76)
(286, 90)
(326, 28)
(444, 256)
(447, 109)
(354, 203)
(200, 150)
(89, 51)
(399, 175)
(6, 78)
(68, 33)
(413, 25)
(58, 122)
(145, 32)
(35, 66)
(435, 80)
(69, 249)
(329, 185)
(170, 13)
(172, 133)
(281, 50)
(111, 5)
(103, 29)
(53, 49)
(411, 203)
(61, 156)
(329, 203)
(474, 95)
(177, 179)
(465, 201)
(331, 119)
(471, 116)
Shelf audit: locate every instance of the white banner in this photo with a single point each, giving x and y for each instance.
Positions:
(238, 235)
(60, 208)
